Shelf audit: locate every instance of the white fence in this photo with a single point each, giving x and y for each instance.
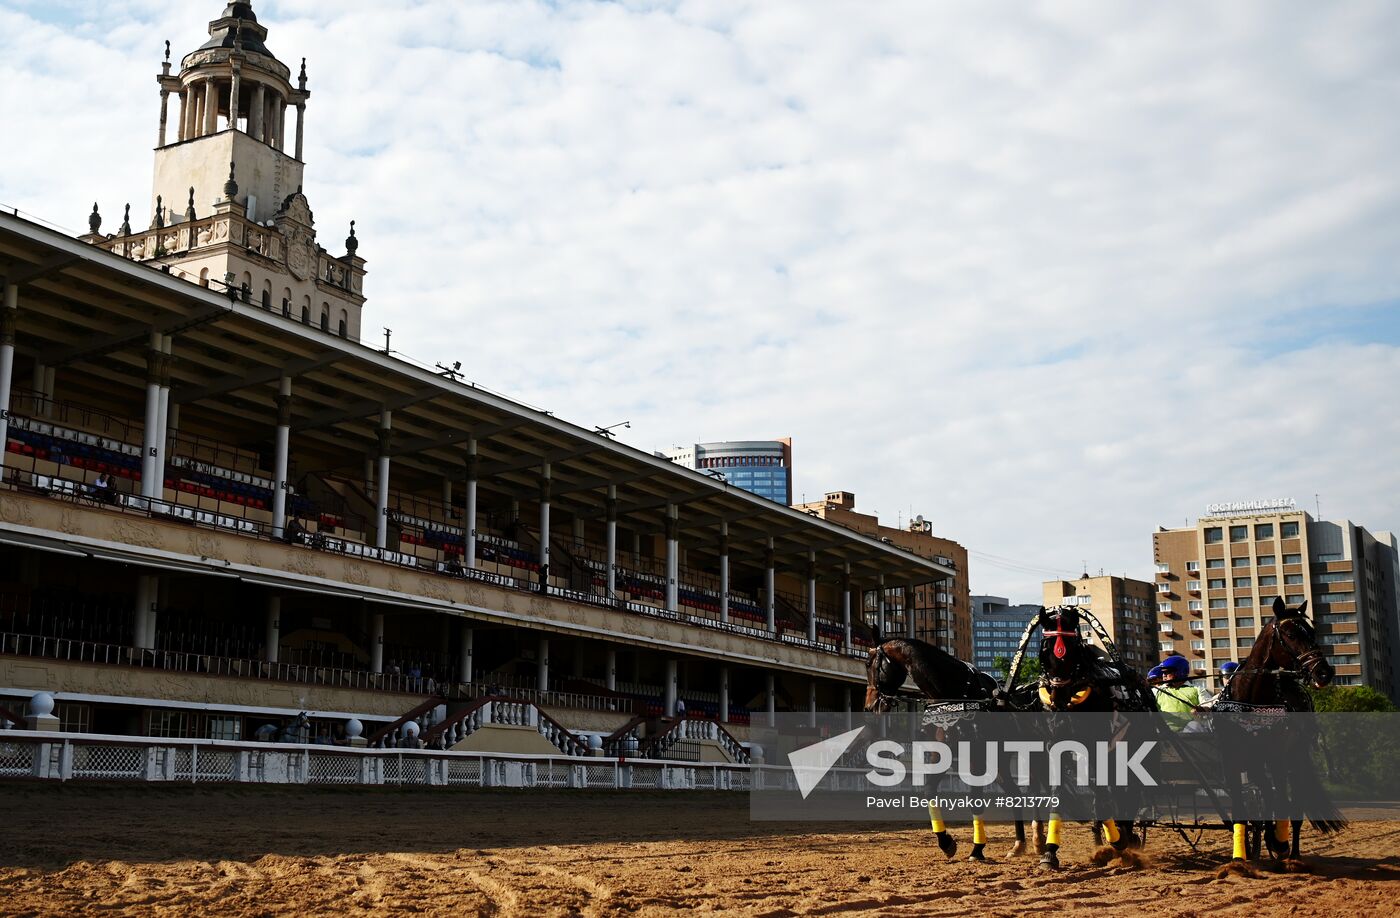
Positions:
(83, 757)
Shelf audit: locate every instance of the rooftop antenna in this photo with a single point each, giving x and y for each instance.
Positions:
(1317, 500)
(608, 431)
(388, 333)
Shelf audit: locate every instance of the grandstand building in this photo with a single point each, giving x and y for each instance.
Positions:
(220, 509)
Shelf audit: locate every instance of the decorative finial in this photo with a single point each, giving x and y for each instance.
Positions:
(159, 221)
(167, 49)
(189, 211)
(126, 222)
(95, 221)
(302, 79)
(352, 245)
(231, 186)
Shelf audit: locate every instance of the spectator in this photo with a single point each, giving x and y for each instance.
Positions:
(454, 567)
(101, 489)
(680, 709)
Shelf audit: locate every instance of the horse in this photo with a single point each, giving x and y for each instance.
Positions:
(1284, 656)
(941, 678)
(291, 730)
(1077, 677)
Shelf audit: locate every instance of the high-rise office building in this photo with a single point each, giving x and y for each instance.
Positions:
(763, 467)
(997, 629)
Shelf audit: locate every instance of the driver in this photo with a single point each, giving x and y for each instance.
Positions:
(1176, 698)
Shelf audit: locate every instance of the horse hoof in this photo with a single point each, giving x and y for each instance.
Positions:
(1293, 865)
(947, 844)
(1017, 850)
(1236, 869)
(1050, 860)
(1103, 854)
(977, 854)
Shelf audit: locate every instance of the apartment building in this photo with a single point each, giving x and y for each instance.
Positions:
(1124, 606)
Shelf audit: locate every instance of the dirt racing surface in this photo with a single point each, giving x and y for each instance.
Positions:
(249, 851)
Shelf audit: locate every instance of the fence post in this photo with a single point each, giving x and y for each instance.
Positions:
(194, 764)
(65, 762)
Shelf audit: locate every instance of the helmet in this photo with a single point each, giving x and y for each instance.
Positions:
(1154, 673)
(1229, 666)
(1176, 665)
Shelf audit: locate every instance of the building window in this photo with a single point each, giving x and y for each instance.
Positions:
(306, 315)
(1241, 583)
(1240, 562)
(1198, 645)
(1220, 643)
(1192, 566)
(74, 717)
(1337, 597)
(1212, 563)
(1268, 581)
(1293, 579)
(1294, 599)
(1266, 561)
(267, 300)
(1166, 627)
(1288, 530)
(225, 728)
(1244, 602)
(1264, 531)
(1164, 607)
(1245, 621)
(1245, 640)
(1161, 588)
(1329, 557)
(1193, 585)
(344, 328)
(1167, 646)
(1239, 533)
(1220, 623)
(166, 723)
(1194, 605)
(1214, 534)
(1217, 584)
(1335, 577)
(1163, 568)
(1292, 559)
(1217, 604)
(1198, 626)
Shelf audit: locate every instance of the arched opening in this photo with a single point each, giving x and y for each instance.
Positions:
(286, 302)
(204, 277)
(344, 328)
(267, 295)
(325, 317)
(306, 315)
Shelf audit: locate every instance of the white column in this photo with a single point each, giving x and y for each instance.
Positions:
(184, 114)
(772, 703)
(846, 608)
(145, 606)
(274, 628)
(542, 680)
(812, 596)
(234, 92)
(612, 541)
(672, 561)
(469, 509)
(467, 648)
(257, 113)
(724, 694)
(610, 674)
(162, 440)
(446, 491)
(880, 610)
(281, 124)
(150, 445)
(672, 681)
(164, 115)
(279, 463)
(770, 605)
(381, 507)
(376, 644)
(724, 571)
(7, 362)
(211, 106)
(544, 528)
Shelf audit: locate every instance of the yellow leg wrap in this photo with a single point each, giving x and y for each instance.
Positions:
(979, 831)
(1052, 832)
(1110, 831)
(1283, 830)
(1239, 848)
(935, 818)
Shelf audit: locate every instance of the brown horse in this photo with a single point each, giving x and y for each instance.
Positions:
(940, 677)
(1285, 659)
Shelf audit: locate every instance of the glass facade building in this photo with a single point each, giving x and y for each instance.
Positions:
(997, 627)
(763, 467)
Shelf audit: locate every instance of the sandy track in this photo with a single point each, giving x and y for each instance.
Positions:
(247, 851)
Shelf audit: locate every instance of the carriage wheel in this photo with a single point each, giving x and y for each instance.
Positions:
(1255, 842)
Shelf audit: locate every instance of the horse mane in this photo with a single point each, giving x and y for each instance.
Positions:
(937, 673)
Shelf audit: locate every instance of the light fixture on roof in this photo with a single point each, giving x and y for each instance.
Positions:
(608, 431)
(452, 372)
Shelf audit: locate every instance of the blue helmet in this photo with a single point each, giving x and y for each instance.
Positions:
(1229, 666)
(1176, 665)
(1155, 673)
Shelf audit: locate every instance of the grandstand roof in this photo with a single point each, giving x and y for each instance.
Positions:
(90, 313)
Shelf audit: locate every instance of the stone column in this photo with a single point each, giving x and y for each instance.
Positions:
(672, 684)
(770, 604)
(211, 107)
(610, 670)
(772, 701)
(544, 528)
(542, 679)
(724, 694)
(8, 314)
(812, 596)
(376, 644)
(281, 124)
(150, 446)
(274, 628)
(235, 93)
(164, 116)
(672, 560)
(301, 125)
(257, 113)
(612, 542)
(467, 648)
(469, 508)
(167, 345)
(724, 572)
(381, 507)
(279, 465)
(184, 114)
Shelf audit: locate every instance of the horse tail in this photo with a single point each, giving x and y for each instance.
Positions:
(1307, 784)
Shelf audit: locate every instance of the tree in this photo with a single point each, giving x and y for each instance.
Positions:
(1350, 699)
(1030, 668)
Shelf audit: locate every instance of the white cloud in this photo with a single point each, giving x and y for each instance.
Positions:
(1048, 274)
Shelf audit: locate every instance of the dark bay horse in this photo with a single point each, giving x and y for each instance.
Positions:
(940, 678)
(1078, 677)
(1284, 660)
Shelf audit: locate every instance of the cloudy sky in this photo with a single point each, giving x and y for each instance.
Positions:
(1050, 274)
